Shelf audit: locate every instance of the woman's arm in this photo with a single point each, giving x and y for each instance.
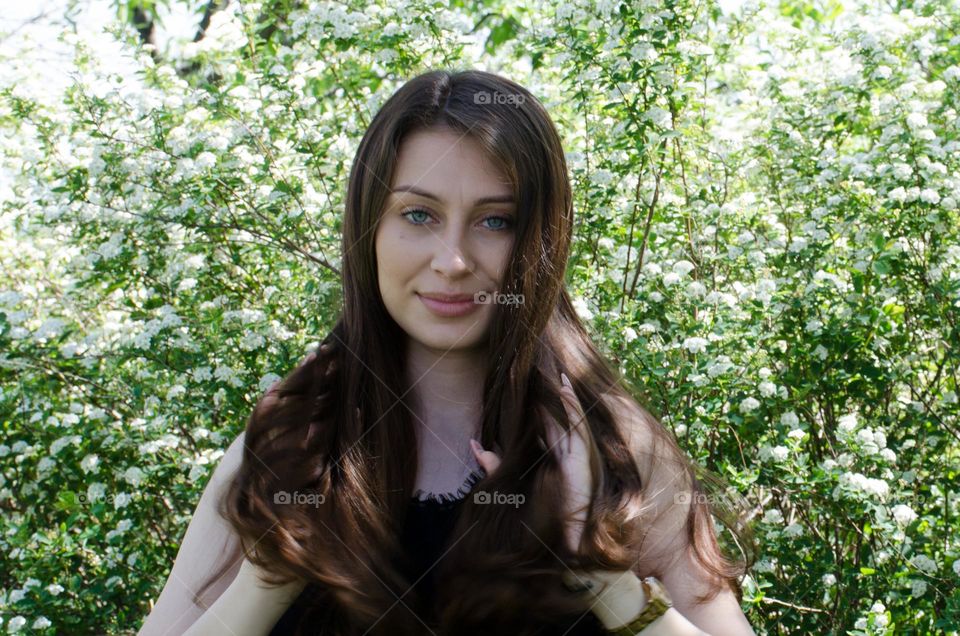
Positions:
(249, 607)
(208, 544)
(666, 547)
(239, 603)
(618, 598)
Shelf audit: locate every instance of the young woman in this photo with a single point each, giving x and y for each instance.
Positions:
(457, 457)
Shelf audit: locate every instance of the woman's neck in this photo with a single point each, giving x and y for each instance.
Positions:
(447, 389)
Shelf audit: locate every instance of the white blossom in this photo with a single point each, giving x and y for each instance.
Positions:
(90, 463)
(695, 344)
(793, 530)
(683, 267)
(847, 423)
(580, 306)
(902, 171)
(924, 563)
(918, 588)
(133, 476)
(749, 405)
(867, 485)
(903, 514)
(898, 194)
(773, 516)
(917, 120)
(790, 419)
(776, 454)
(929, 195)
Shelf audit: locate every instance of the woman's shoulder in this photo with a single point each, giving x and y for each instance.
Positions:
(231, 460)
(662, 465)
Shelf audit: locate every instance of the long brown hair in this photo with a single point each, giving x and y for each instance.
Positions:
(348, 437)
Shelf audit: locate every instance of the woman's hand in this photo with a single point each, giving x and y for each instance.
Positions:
(571, 451)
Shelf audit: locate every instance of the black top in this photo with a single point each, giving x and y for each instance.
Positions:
(430, 520)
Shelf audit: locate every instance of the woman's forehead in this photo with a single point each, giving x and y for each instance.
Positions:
(449, 165)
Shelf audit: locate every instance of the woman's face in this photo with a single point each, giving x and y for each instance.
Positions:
(448, 228)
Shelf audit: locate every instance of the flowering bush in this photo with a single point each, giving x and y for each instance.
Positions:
(767, 243)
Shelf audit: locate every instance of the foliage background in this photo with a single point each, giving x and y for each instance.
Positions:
(766, 242)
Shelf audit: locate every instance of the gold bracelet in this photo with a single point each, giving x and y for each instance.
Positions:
(658, 602)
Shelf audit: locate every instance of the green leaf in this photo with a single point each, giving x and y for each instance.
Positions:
(881, 266)
(506, 30)
(66, 500)
(894, 310)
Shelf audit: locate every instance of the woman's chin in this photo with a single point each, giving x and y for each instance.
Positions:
(450, 337)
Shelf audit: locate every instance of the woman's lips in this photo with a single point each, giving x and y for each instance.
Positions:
(449, 309)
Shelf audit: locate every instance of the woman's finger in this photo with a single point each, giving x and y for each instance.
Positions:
(575, 464)
(488, 460)
(574, 410)
(555, 434)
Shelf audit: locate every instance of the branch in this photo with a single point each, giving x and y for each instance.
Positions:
(7, 36)
(212, 7)
(143, 23)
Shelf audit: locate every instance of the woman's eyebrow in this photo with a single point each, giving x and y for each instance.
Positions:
(503, 198)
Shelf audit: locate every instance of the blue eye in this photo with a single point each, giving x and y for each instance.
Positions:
(506, 221)
(415, 211)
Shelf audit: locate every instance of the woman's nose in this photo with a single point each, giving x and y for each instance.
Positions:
(451, 255)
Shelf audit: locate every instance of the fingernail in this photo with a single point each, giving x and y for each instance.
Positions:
(475, 445)
(565, 379)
